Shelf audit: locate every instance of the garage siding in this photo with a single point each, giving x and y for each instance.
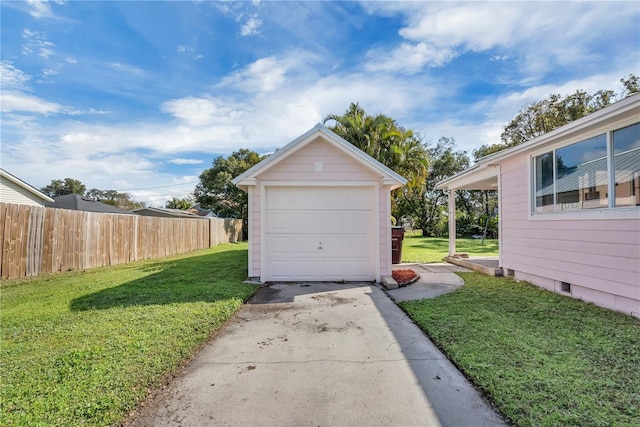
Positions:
(385, 231)
(254, 268)
(318, 161)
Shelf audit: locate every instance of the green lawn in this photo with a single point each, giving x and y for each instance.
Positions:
(543, 359)
(84, 348)
(416, 248)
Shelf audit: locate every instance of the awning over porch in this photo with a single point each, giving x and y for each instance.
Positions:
(481, 176)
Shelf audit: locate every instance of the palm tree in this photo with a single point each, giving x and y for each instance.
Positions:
(381, 138)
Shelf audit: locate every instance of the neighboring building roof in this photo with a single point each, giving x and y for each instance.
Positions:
(166, 213)
(389, 176)
(200, 211)
(9, 177)
(79, 203)
(482, 175)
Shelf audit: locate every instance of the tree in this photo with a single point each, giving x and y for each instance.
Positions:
(216, 191)
(114, 198)
(425, 205)
(630, 84)
(59, 187)
(182, 204)
(381, 138)
(550, 113)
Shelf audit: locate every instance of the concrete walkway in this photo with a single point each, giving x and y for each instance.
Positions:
(321, 354)
(435, 279)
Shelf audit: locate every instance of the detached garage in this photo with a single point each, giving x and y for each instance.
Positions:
(319, 210)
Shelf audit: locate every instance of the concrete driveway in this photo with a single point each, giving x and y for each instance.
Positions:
(320, 354)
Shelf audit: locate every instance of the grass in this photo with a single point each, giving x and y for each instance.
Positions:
(543, 359)
(83, 348)
(416, 248)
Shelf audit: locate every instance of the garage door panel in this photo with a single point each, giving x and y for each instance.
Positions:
(358, 269)
(305, 245)
(280, 221)
(320, 233)
(359, 200)
(360, 245)
(359, 222)
(281, 246)
(280, 269)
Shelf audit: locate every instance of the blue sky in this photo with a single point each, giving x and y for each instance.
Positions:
(141, 96)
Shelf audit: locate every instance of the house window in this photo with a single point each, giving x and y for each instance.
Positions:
(626, 163)
(579, 176)
(544, 182)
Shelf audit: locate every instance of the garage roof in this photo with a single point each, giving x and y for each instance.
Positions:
(389, 177)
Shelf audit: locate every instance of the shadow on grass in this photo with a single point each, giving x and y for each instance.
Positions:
(205, 278)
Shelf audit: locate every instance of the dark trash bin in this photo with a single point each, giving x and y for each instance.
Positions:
(397, 236)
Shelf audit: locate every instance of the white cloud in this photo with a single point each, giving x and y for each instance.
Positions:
(37, 43)
(16, 101)
(47, 72)
(542, 35)
(189, 51)
(126, 68)
(478, 26)
(41, 8)
(408, 58)
(199, 111)
(263, 75)
(11, 77)
(251, 27)
(181, 161)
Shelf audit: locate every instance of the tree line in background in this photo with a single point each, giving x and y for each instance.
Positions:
(61, 187)
(418, 204)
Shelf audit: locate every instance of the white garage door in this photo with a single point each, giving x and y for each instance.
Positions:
(320, 233)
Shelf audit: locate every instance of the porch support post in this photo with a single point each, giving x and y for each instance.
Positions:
(452, 222)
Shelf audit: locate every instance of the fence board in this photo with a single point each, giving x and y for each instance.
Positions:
(22, 240)
(35, 241)
(3, 217)
(38, 240)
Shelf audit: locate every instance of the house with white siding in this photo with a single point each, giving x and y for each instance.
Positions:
(16, 191)
(319, 210)
(569, 207)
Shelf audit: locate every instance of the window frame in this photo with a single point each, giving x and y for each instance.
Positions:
(608, 212)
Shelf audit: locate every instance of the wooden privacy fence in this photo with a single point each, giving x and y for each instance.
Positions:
(38, 240)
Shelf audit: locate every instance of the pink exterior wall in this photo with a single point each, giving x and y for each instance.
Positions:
(600, 258)
(337, 166)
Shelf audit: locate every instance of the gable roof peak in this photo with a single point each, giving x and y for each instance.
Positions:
(248, 177)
